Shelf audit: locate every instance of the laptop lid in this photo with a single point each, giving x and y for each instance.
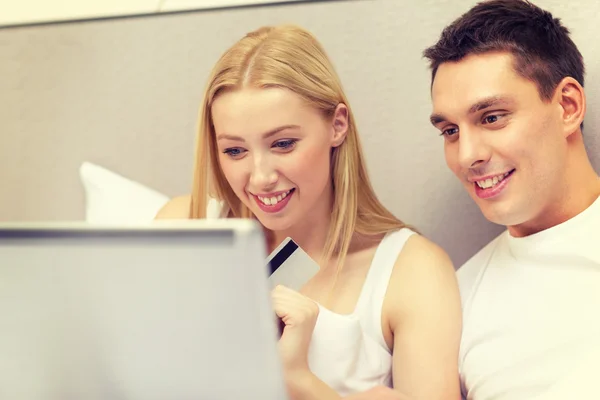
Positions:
(171, 310)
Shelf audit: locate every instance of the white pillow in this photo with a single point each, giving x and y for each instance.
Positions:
(112, 198)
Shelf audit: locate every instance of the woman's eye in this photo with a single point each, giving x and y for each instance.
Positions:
(234, 152)
(285, 144)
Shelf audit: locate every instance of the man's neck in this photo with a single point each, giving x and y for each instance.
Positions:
(580, 189)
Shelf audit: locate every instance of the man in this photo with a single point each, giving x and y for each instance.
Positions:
(508, 98)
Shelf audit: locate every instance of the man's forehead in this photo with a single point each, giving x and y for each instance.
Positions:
(491, 61)
(475, 81)
(473, 72)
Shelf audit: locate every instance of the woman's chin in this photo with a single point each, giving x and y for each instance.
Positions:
(273, 223)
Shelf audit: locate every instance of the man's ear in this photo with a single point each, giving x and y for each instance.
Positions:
(340, 124)
(571, 98)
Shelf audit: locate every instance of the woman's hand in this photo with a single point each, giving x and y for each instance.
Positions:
(299, 314)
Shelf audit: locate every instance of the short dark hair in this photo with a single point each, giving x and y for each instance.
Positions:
(541, 46)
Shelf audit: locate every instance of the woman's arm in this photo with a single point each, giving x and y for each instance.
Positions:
(424, 312)
(304, 385)
(176, 208)
(299, 314)
(425, 317)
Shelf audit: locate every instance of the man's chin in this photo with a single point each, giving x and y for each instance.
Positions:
(502, 214)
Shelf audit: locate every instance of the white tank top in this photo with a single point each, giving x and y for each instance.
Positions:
(349, 352)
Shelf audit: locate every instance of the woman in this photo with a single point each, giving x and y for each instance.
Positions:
(278, 142)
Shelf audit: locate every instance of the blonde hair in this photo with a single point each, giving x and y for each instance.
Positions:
(289, 57)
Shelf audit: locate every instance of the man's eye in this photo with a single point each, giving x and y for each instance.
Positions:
(449, 132)
(490, 119)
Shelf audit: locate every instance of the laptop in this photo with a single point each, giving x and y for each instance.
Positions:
(169, 310)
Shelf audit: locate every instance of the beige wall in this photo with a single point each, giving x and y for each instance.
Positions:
(124, 94)
(17, 12)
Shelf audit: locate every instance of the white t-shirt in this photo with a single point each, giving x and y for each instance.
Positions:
(531, 313)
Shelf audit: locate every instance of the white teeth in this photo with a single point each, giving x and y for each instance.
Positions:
(271, 201)
(490, 182)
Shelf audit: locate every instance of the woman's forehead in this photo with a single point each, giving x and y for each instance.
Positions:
(259, 110)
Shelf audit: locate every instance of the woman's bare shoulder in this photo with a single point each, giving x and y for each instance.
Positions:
(419, 251)
(176, 208)
(423, 272)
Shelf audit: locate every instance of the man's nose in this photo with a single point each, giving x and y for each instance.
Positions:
(472, 150)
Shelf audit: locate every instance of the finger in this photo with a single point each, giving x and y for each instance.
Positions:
(285, 298)
(290, 315)
(295, 306)
(281, 289)
(286, 301)
(285, 308)
(284, 291)
(300, 302)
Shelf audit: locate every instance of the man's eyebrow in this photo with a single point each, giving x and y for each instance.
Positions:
(482, 104)
(265, 135)
(490, 102)
(437, 119)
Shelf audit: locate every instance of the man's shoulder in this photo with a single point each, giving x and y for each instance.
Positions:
(470, 271)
